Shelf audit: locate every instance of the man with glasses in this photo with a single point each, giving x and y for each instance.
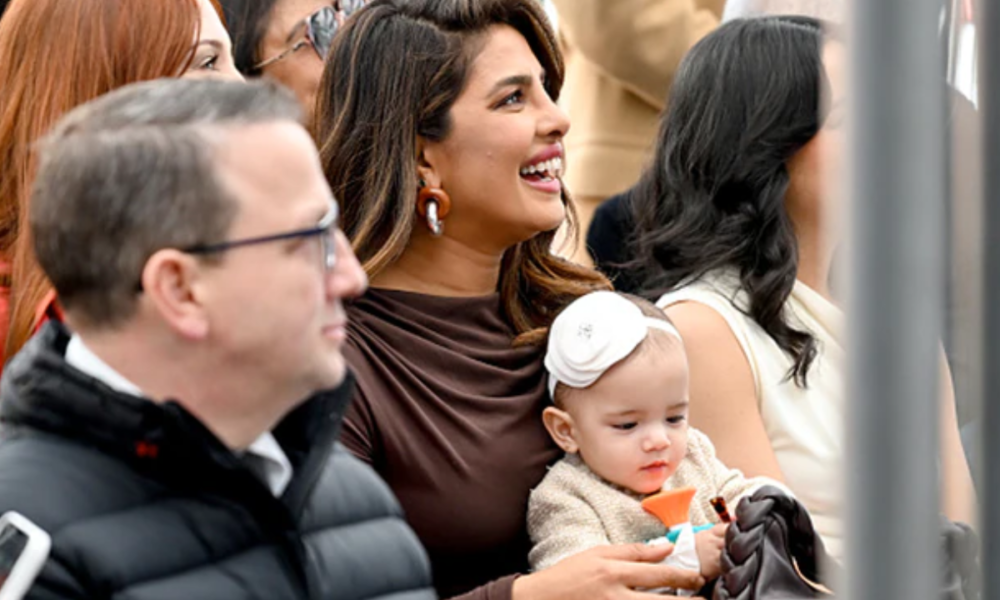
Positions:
(178, 439)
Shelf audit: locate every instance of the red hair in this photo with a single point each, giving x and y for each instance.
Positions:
(58, 54)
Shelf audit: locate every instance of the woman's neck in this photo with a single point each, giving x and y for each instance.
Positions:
(442, 267)
(815, 260)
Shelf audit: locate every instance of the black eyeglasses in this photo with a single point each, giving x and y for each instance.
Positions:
(326, 230)
(320, 26)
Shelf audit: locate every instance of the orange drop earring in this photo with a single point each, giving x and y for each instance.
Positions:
(433, 205)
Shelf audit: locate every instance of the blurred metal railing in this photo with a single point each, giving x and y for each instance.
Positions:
(897, 191)
(989, 89)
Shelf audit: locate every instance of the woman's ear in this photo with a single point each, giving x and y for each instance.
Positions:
(560, 426)
(426, 164)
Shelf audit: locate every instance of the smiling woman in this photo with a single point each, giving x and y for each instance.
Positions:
(439, 130)
(55, 55)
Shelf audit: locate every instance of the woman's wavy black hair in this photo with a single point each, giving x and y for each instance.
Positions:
(746, 98)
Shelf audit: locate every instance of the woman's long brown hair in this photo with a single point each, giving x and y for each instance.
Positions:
(392, 76)
(57, 54)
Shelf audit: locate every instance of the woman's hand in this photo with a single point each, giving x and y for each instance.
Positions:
(708, 544)
(607, 573)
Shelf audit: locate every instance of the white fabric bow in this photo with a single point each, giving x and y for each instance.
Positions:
(592, 334)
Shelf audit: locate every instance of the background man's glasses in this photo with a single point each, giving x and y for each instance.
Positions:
(320, 28)
(326, 230)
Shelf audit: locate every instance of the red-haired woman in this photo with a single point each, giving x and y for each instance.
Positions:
(54, 55)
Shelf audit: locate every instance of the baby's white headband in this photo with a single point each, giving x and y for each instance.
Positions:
(593, 334)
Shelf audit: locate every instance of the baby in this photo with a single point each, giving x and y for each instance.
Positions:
(618, 378)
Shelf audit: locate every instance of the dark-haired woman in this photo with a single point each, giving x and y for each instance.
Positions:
(286, 40)
(735, 235)
(438, 128)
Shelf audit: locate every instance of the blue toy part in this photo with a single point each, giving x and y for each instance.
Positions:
(673, 534)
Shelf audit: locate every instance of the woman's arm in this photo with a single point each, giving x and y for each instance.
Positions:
(610, 573)
(722, 394)
(607, 572)
(724, 407)
(958, 498)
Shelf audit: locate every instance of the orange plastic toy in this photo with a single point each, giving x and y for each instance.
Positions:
(672, 507)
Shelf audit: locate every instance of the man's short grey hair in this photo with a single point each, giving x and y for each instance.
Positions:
(134, 172)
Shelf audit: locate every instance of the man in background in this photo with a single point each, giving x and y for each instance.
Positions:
(179, 440)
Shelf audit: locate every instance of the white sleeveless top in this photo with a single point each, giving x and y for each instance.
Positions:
(806, 426)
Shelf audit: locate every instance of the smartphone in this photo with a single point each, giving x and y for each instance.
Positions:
(24, 548)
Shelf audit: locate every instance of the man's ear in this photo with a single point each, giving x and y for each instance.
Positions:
(560, 426)
(172, 282)
(426, 161)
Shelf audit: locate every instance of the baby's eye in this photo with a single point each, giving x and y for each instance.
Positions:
(624, 426)
(676, 420)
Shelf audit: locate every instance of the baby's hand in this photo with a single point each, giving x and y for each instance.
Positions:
(708, 544)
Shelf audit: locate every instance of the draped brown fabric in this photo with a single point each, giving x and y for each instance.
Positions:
(449, 413)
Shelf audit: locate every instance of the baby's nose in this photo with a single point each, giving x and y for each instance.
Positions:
(657, 440)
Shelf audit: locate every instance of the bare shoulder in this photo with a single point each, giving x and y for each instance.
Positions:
(708, 338)
(723, 393)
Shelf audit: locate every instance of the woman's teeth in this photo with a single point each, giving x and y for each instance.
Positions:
(547, 170)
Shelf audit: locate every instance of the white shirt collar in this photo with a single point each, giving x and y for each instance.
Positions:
(275, 468)
(79, 356)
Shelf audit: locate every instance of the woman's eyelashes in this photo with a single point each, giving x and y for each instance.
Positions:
(527, 86)
(513, 99)
(208, 63)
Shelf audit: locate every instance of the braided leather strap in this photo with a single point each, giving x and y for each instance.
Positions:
(772, 552)
(770, 548)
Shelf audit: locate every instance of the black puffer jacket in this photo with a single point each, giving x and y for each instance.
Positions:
(144, 503)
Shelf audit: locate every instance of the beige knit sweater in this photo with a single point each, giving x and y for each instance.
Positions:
(573, 509)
